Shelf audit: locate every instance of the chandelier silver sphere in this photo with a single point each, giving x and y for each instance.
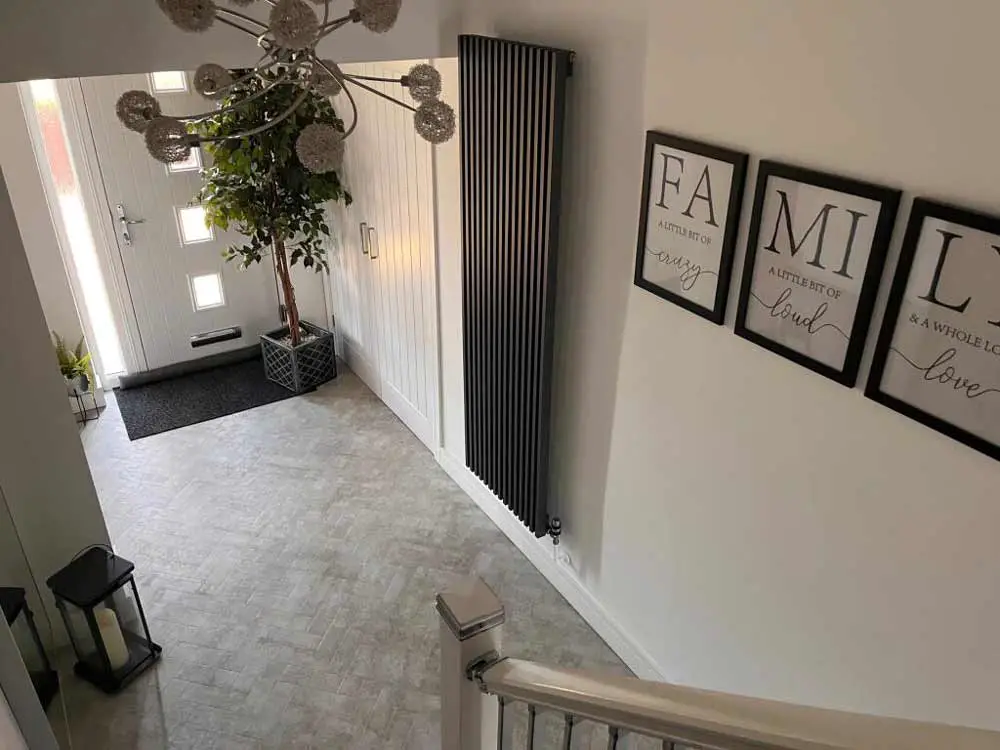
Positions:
(435, 121)
(294, 24)
(424, 82)
(378, 15)
(320, 148)
(323, 82)
(136, 109)
(167, 140)
(288, 39)
(211, 80)
(189, 15)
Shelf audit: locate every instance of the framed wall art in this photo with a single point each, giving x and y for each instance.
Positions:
(815, 256)
(938, 354)
(692, 194)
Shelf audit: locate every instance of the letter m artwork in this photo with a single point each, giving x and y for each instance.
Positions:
(820, 224)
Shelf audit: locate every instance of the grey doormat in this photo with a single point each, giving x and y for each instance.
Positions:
(188, 399)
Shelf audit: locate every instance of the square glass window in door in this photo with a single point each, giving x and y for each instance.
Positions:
(192, 227)
(206, 291)
(191, 164)
(168, 82)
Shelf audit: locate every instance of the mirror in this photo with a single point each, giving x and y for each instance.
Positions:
(32, 628)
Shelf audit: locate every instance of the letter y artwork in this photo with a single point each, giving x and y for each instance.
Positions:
(688, 272)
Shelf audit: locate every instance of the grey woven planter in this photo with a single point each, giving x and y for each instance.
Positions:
(303, 367)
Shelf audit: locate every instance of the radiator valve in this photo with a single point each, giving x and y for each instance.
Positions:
(555, 530)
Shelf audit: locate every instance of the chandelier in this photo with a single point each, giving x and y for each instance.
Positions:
(288, 42)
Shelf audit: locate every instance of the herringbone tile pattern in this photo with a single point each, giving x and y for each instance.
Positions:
(288, 557)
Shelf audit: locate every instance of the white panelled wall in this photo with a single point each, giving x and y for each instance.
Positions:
(383, 268)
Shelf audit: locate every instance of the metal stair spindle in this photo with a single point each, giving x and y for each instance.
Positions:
(531, 728)
(613, 733)
(503, 706)
(568, 733)
(668, 745)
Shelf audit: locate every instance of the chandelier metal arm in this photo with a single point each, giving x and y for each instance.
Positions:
(283, 80)
(355, 76)
(266, 61)
(350, 97)
(219, 9)
(351, 79)
(331, 26)
(266, 126)
(354, 112)
(289, 41)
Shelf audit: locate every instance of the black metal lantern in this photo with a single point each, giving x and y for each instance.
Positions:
(22, 626)
(100, 605)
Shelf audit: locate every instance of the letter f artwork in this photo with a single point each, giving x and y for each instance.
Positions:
(690, 214)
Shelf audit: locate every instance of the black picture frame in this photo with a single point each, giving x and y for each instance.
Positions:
(739, 161)
(888, 200)
(922, 210)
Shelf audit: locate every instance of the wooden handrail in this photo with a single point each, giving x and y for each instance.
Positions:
(717, 720)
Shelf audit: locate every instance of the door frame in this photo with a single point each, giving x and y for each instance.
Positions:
(102, 223)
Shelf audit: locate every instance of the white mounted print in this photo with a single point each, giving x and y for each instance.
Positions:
(691, 199)
(815, 256)
(938, 355)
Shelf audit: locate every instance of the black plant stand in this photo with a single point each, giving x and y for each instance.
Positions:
(81, 405)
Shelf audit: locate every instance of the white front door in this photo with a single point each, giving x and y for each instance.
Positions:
(178, 286)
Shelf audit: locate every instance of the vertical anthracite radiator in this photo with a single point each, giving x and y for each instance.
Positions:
(511, 111)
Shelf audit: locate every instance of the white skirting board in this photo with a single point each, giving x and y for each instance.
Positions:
(539, 553)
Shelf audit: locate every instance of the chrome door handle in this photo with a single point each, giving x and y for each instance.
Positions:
(364, 238)
(126, 222)
(373, 246)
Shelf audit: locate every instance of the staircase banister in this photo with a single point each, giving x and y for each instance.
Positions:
(708, 719)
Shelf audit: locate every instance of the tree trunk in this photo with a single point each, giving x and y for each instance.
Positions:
(287, 290)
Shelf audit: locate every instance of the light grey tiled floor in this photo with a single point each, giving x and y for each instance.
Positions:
(288, 557)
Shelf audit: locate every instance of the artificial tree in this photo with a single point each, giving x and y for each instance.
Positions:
(258, 186)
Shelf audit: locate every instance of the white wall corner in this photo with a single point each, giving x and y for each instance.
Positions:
(565, 581)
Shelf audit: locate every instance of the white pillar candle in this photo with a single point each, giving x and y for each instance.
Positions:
(111, 634)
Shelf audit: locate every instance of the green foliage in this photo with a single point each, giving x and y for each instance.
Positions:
(72, 362)
(257, 185)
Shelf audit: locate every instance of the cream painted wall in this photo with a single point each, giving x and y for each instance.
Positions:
(748, 525)
(43, 471)
(448, 217)
(803, 542)
(64, 38)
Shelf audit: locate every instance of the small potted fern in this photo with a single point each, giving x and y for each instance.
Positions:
(257, 185)
(74, 365)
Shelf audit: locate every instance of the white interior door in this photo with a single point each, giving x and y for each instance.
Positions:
(352, 271)
(178, 284)
(391, 178)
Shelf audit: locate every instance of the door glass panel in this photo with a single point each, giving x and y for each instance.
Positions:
(168, 81)
(206, 291)
(191, 220)
(191, 164)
